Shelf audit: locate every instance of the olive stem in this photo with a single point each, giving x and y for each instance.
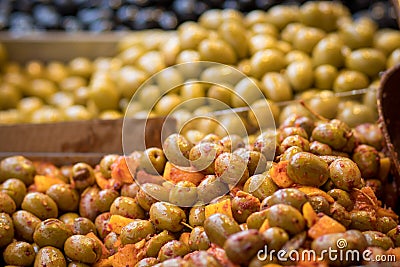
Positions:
(315, 114)
(187, 225)
(366, 195)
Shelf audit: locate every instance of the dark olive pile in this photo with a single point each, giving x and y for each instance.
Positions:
(107, 15)
(325, 184)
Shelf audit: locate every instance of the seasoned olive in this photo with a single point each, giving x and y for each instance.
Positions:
(83, 226)
(342, 197)
(6, 229)
(66, 198)
(231, 168)
(219, 227)
(197, 215)
(260, 186)
(330, 134)
(177, 149)
(362, 219)
(275, 237)
(368, 160)
(49, 256)
(156, 242)
(345, 174)
(105, 164)
(17, 167)
(147, 262)
(173, 249)
(198, 239)
(51, 232)
(7, 204)
(130, 190)
(19, 253)
(135, 231)
(15, 188)
(378, 239)
(127, 207)
(287, 217)
(183, 194)
(289, 196)
(243, 205)
(210, 188)
(294, 140)
(40, 205)
(82, 248)
(166, 216)
(319, 204)
(88, 203)
(203, 155)
(82, 176)
(306, 168)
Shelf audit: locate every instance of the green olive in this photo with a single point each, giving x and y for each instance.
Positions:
(203, 155)
(15, 188)
(345, 174)
(17, 167)
(6, 229)
(265, 61)
(82, 176)
(105, 164)
(328, 50)
(282, 15)
(19, 253)
(235, 35)
(177, 149)
(342, 197)
(198, 239)
(183, 194)
(324, 76)
(241, 247)
(358, 34)
(49, 256)
(40, 205)
(289, 32)
(66, 198)
(256, 219)
(295, 140)
(7, 204)
(368, 160)
(378, 239)
(308, 169)
(173, 249)
(102, 224)
(156, 242)
(276, 87)
(9, 96)
(260, 186)
(300, 75)
(197, 215)
(393, 59)
(25, 224)
(231, 168)
(288, 196)
(362, 220)
(330, 134)
(127, 207)
(395, 236)
(348, 80)
(135, 231)
(83, 226)
(166, 216)
(243, 205)
(287, 217)
(386, 40)
(275, 237)
(217, 50)
(306, 38)
(318, 148)
(82, 248)
(325, 104)
(367, 60)
(51, 232)
(219, 227)
(357, 114)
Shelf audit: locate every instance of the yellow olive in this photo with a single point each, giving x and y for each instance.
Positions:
(217, 50)
(76, 112)
(11, 116)
(61, 99)
(348, 80)
(104, 95)
(235, 35)
(56, 71)
(190, 35)
(221, 93)
(129, 79)
(170, 50)
(276, 87)
(265, 61)
(35, 69)
(260, 42)
(358, 34)
(265, 28)
(46, 114)
(393, 59)
(306, 38)
(325, 104)
(168, 79)
(324, 76)
(246, 92)
(28, 105)
(289, 32)
(282, 15)
(211, 19)
(42, 88)
(166, 104)
(300, 75)
(296, 55)
(9, 96)
(81, 66)
(387, 40)
(328, 51)
(367, 60)
(110, 115)
(194, 93)
(255, 17)
(130, 55)
(71, 83)
(151, 62)
(357, 114)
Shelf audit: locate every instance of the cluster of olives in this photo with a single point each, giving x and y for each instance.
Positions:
(306, 185)
(289, 51)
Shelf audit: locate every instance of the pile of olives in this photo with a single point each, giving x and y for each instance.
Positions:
(324, 183)
(290, 52)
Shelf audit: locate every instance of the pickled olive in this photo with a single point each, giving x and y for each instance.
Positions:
(282, 15)
(368, 160)
(386, 40)
(15, 188)
(135, 231)
(256, 219)
(51, 232)
(256, 162)
(290, 152)
(7, 204)
(105, 164)
(320, 204)
(231, 168)
(166, 216)
(106, 198)
(130, 190)
(307, 169)
(265, 61)
(266, 143)
(25, 224)
(300, 75)
(289, 196)
(6, 229)
(153, 160)
(19, 253)
(345, 174)
(294, 140)
(66, 198)
(82, 248)
(156, 242)
(217, 50)
(203, 155)
(17, 167)
(276, 87)
(260, 186)
(154, 190)
(394, 234)
(324, 76)
(197, 215)
(328, 50)
(127, 207)
(342, 197)
(306, 38)
(385, 224)
(339, 213)
(366, 60)
(287, 131)
(202, 259)
(378, 239)
(393, 59)
(287, 217)
(348, 80)
(49, 256)
(40, 205)
(241, 247)
(275, 237)
(362, 220)
(321, 149)
(358, 34)
(88, 203)
(219, 227)
(243, 205)
(83, 226)
(235, 35)
(82, 176)
(147, 262)
(330, 134)
(172, 249)
(198, 239)
(190, 35)
(144, 199)
(184, 194)
(110, 242)
(102, 224)
(177, 149)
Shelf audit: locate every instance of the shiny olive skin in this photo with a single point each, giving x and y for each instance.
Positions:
(25, 224)
(256, 219)
(366, 60)
(219, 227)
(7, 204)
(243, 205)
(19, 253)
(385, 224)
(198, 239)
(231, 168)
(340, 214)
(166, 216)
(330, 134)
(153, 160)
(49, 256)
(77, 264)
(51, 232)
(82, 248)
(144, 199)
(320, 204)
(172, 249)
(135, 231)
(127, 207)
(275, 237)
(289, 196)
(130, 190)
(368, 160)
(110, 242)
(68, 218)
(362, 219)
(106, 198)
(202, 259)
(256, 162)
(320, 149)
(88, 203)
(40, 205)
(106, 163)
(210, 188)
(82, 176)
(101, 224)
(232, 142)
(260, 186)
(17, 167)
(147, 262)
(294, 140)
(66, 198)
(177, 148)
(394, 234)
(183, 194)
(203, 155)
(241, 247)
(371, 134)
(348, 80)
(287, 217)
(197, 215)
(378, 239)
(342, 197)
(158, 192)
(83, 226)
(345, 174)
(307, 169)
(266, 144)
(15, 188)
(290, 152)
(156, 242)
(6, 229)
